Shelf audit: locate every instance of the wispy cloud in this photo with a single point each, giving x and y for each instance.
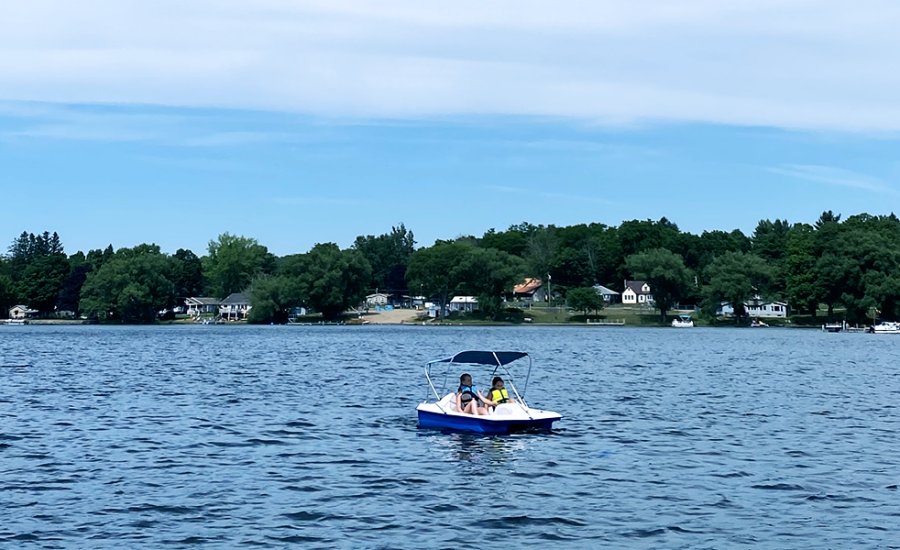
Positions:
(548, 194)
(834, 176)
(783, 63)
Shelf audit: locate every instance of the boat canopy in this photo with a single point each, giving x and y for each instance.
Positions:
(496, 359)
(492, 358)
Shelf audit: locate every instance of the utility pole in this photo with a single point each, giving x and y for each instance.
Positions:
(549, 293)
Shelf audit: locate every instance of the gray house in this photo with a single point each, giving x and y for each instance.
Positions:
(198, 305)
(235, 307)
(609, 296)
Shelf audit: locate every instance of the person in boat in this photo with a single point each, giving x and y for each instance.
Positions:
(498, 393)
(468, 399)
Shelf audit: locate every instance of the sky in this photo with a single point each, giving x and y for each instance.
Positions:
(299, 122)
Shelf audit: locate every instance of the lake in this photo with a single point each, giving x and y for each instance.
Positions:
(272, 437)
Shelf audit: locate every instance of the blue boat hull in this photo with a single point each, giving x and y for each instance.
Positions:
(480, 424)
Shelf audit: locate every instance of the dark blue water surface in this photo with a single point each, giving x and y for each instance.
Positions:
(226, 437)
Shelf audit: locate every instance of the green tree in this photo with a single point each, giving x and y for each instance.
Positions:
(7, 295)
(542, 248)
(41, 282)
(71, 289)
(131, 287)
(489, 274)
(388, 254)
(273, 298)
(188, 274)
(433, 270)
(666, 274)
(584, 299)
(233, 262)
(735, 278)
(331, 279)
(512, 241)
(801, 287)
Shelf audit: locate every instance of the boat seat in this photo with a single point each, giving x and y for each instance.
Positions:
(449, 402)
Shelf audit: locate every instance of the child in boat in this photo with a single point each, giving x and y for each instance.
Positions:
(468, 396)
(498, 393)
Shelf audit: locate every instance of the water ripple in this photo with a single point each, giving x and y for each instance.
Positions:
(274, 437)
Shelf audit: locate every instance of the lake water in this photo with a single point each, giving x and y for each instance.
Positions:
(267, 437)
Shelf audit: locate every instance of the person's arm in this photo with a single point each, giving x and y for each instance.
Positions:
(485, 400)
(458, 402)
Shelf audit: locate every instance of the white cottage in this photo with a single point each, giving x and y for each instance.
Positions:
(757, 308)
(464, 303)
(22, 312)
(637, 292)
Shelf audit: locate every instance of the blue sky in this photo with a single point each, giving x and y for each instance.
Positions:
(305, 122)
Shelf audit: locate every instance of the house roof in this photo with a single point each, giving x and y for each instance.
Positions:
(635, 286)
(603, 290)
(235, 298)
(464, 300)
(376, 295)
(26, 309)
(202, 301)
(530, 285)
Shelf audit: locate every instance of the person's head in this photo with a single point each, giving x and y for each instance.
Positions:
(465, 380)
(497, 382)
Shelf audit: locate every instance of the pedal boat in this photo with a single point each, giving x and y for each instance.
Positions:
(440, 412)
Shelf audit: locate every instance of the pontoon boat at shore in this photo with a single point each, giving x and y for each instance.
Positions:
(507, 417)
(683, 321)
(885, 327)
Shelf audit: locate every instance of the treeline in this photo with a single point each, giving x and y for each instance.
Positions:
(852, 265)
(132, 285)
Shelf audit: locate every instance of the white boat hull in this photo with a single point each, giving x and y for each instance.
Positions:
(886, 328)
(504, 419)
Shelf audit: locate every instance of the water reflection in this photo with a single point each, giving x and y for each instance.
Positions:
(478, 448)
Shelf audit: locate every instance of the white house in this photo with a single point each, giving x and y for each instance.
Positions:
(464, 303)
(234, 307)
(22, 312)
(637, 292)
(198, 305)
(756, 308)
(609, 296)
(377, 299)
(433, 309)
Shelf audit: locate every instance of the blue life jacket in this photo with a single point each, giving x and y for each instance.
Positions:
(468, 393)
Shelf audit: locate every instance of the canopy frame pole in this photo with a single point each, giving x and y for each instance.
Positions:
(428, 377)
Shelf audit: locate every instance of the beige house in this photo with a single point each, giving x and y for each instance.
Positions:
(22, 312)
(637, 292)
(377, 299)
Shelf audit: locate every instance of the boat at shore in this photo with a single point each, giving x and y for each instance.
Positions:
(885, 327)
(441, 412)
(683, 321)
